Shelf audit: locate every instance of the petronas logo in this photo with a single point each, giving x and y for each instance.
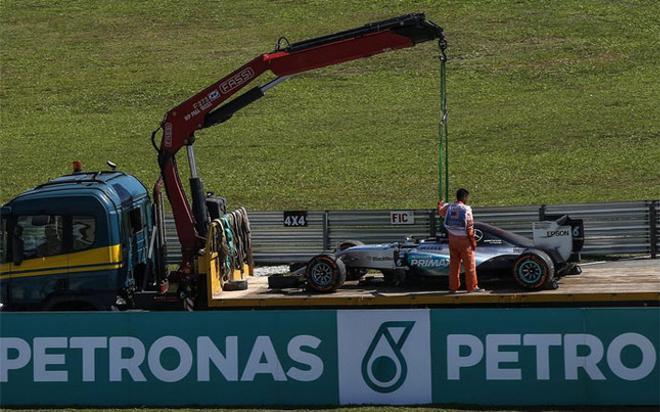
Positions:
(384, 367)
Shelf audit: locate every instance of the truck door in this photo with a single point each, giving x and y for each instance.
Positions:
(139, 235)
(38, 260)
(135, 242)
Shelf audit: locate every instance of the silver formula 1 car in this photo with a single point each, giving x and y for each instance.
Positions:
(533, 264)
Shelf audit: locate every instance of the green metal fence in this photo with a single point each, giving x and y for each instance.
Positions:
(612, 228)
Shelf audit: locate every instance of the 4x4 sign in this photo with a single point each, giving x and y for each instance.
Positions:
(295, 218)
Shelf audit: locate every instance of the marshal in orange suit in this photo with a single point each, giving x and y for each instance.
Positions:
(462, 243)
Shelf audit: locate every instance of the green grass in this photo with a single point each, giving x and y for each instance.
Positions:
(348, 409)
(357, 409)
(352, 409)
(549, 101)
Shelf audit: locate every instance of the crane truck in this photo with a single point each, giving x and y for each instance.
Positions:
(95, 241)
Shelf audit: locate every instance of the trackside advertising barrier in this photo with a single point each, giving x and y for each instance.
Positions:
(545, 356)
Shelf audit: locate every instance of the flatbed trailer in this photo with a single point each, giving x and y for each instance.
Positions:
(626, 282)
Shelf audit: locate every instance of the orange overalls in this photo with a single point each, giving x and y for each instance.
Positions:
(462, 244)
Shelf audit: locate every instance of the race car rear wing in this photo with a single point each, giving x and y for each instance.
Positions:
(561, 233)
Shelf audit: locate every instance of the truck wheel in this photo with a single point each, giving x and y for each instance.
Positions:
(325, 273)
(534, 270)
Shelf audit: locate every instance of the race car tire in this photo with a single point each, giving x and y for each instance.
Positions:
(325, 273)
(534, 270)
(234, 285)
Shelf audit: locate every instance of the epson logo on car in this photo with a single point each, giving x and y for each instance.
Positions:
(557, 233)
(129, 358)
(579, 351)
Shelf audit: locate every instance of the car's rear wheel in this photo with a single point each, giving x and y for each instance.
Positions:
(534, 270)
(325, 273)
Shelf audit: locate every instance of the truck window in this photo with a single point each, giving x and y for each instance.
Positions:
(136, 219)
(42, 235)
(84, 232)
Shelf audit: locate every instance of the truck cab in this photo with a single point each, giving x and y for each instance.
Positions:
(77, 242)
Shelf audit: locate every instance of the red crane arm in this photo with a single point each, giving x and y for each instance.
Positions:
(204, 108)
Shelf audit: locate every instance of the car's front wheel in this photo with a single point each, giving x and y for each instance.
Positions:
(534, 270)
(325, 273)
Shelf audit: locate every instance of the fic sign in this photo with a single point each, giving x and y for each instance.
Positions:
(402, 217)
